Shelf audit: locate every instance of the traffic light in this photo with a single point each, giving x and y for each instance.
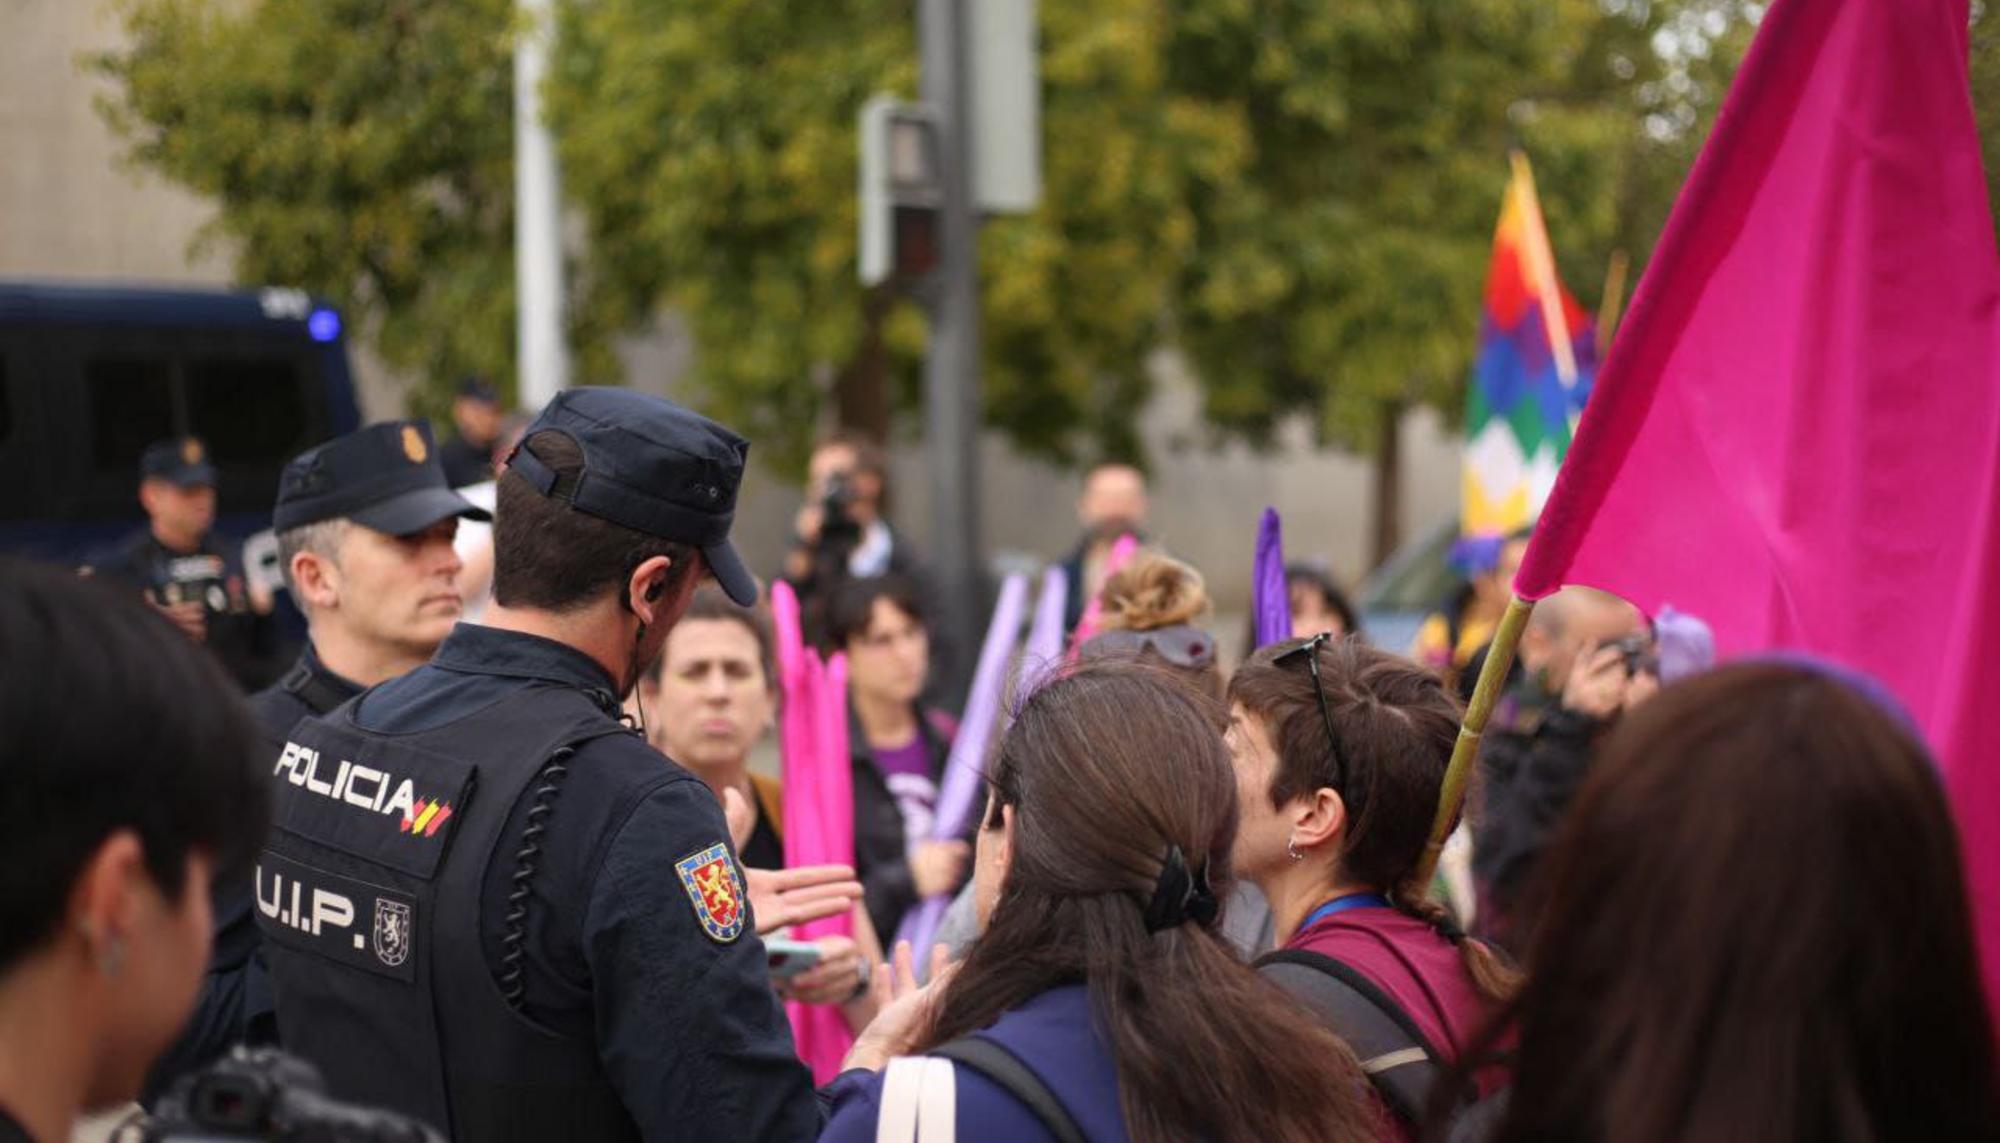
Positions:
(902, 189)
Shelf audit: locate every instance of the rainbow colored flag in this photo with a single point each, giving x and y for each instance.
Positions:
(1537, 358)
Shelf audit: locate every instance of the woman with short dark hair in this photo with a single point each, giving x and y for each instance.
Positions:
(899, 747)
(1340, 752)
(1101, 858)
(1756, 928)
(131, 777)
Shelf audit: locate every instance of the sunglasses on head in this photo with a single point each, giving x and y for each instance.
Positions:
(1309, 651)
(1181, 646)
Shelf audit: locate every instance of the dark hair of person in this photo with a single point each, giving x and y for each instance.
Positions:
(1756, 927)
(711, 603)
(850, 607)
(111, 719)
(1106, 767)
(1154, 591)
(1396, 724)
(550, 556)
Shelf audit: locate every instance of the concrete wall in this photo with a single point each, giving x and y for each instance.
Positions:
(69, 209)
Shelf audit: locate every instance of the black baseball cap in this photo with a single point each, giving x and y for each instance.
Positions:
(479, 389)
(386, 477)
(182, 461)
(651, 466)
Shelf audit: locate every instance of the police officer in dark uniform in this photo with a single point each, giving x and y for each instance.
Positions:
(183, 571)
(487, 902)
(365, 524)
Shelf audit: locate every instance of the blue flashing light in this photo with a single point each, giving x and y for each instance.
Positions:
(323, 325)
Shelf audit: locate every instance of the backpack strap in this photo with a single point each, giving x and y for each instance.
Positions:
(992, 1060)
(1398, 1059)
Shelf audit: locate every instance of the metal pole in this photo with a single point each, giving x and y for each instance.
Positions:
(951, 373)
(543, 354)
(1464, 752)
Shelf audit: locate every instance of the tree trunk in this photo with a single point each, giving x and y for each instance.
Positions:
(861, 388)
(1389, 484)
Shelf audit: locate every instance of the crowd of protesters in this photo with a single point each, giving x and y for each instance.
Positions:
(1195, 901)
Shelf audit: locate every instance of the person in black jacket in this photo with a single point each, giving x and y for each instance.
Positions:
(899, 748)
(1113, 505)
(1576, 680)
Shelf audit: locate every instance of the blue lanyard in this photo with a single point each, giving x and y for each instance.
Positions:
(1342, 905)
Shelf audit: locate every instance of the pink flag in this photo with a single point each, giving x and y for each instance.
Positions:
(1796, 434)
(818, 802)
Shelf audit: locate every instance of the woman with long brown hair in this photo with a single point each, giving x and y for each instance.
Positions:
(1756, 929)
(1340, 752)
(1100, 1003)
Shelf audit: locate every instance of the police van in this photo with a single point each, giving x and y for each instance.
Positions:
(91, 375)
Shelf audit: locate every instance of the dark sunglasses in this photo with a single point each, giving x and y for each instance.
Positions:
(1309, 650)
(1182, 646)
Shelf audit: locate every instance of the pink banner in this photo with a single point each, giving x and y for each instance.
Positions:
(1797, 434)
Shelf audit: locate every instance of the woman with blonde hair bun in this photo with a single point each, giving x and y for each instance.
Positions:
(1151, 610)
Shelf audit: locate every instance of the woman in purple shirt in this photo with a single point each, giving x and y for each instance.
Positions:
(1101, 1002)
(899, 747)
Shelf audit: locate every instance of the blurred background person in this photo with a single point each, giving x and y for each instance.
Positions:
(192, 575)
(1585, 658)
(1151, 609)
(475, 421)
(1318, 607)
(1756, 928)
(1464, 625)
(1340, 752)
(109, 833)
(842, 531)
(474, 541)
(1103, 851)
(1113, 504)
(708, 701)
(899, 747)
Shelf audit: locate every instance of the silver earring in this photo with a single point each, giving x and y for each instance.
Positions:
(112, 957)
(1292, 851)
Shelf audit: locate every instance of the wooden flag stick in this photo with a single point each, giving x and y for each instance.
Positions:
(1612, 302)
(1465, 752)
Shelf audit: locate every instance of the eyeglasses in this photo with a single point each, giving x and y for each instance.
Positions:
(1310, 651)
(1182, 646)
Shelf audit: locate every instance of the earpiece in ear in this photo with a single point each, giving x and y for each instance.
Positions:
(653, 592)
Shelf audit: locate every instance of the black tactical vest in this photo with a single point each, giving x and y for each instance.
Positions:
(368, 895)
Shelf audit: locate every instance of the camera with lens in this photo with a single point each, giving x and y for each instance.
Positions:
(262, 1093)
(837, 522)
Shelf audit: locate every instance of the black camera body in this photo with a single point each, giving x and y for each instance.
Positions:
(1639, 654)
(262, 1093)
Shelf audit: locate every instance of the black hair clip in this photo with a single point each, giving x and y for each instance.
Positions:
(1179, 896)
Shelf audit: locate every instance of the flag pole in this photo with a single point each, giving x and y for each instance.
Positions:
(1613, 300)
(1499, 659)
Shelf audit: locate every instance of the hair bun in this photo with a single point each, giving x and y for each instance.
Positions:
(1153, 591)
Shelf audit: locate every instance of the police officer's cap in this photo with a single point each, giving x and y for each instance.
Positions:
(182, 461)
(386, 477)
(651, 466)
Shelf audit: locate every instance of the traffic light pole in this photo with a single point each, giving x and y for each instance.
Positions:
(951, 373)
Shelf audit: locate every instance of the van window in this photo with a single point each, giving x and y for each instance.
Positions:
(250, 410)
(131, 406)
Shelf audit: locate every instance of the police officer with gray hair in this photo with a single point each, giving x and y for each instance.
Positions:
(487, 902)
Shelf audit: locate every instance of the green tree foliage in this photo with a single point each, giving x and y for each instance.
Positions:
(361, 149)
(1343, 278)
(1301, 196)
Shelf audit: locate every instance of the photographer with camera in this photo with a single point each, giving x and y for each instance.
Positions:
(189, 574)
(1586, 658)
(842, 532)
(132, 776)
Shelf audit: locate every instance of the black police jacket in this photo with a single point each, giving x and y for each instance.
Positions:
(246, 643)
(489, 904)
(234, 1005)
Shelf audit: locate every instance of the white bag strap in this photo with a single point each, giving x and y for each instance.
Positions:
(919, 1102)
